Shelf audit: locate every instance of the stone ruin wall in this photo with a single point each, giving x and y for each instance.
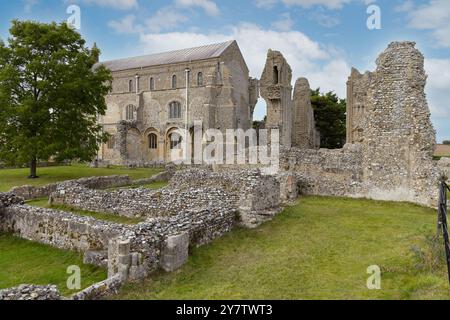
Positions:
(33, 192)
(444, 167)
(392, 158)
(163, 240)
(399, 138)
(304, 132)
(293, 114)
(276, 89)
(357, 88)
(219, 191)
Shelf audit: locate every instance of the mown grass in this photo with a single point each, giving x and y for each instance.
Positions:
(43, 203)
(26, 262)
(18, 177)
(318, 249)
(150, 186)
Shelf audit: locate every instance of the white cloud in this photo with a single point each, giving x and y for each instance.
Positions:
(433, 16)
(285, 23)
(29, 4)
(165, 19)
(330, 4)
(125, 25)
(118, 4)
(210, 7)
(324, 67)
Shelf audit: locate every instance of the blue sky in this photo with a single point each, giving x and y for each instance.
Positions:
(322, 39)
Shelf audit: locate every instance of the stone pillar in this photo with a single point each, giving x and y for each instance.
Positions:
(175, 252)
(119, 258)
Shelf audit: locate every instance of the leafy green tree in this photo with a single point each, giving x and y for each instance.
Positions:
(446, 142)
(329, 112)
(50, 95)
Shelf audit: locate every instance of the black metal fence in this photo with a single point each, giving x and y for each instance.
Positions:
(442, 221)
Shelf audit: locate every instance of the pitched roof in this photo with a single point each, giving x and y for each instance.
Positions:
(184, 55)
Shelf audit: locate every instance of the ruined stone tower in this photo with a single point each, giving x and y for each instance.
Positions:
(399, 139)
(357, 87)
(304, 133)
(276, 89)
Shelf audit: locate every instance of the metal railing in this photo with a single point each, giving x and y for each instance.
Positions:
(442, 221)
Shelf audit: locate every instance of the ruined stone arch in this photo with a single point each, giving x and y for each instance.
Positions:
(173, 142)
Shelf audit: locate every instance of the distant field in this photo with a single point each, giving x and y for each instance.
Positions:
(26, 262)
(18, 177)
(318, 249)
(442, 150)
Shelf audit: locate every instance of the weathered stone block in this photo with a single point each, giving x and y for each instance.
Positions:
(175, 252)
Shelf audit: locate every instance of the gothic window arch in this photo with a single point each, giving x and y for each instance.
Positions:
(175, 140)
(130, 86)
(200, 79)
(152, 141)
(130, 112)
(175, 110)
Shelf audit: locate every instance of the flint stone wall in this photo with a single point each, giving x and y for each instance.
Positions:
(444, 167)
(228, 191)
(84, 234)
(325, 172)
(393, 159)
(31, 292)
(32, 192)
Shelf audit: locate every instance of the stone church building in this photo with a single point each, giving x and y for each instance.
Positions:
(150, 95)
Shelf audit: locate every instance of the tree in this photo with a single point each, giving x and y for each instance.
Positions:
(50, 95)
(329, 112)
(446, 142)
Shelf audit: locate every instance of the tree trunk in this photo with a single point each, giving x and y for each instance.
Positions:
(33, 169)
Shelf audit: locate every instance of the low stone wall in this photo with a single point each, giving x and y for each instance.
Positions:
(87, 235)
(326, 172)
(246, 191)
(32, 192)
(100, 290)
(444, 167)
(31, 292)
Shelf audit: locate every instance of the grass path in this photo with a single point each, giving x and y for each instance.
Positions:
(43, 203)
(26, 262)
(318, 249)
(18, 177)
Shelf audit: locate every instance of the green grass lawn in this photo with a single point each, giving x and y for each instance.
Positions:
(318, 249)
(43, 203)
(150, 186)
(26, 262)
(18, 177)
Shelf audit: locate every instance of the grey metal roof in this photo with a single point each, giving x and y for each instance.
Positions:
(184, 55)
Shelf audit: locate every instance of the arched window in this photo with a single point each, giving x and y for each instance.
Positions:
(174, 82)
(175, 141)
(130, 112)
(130, 86)
(112, 142)
(174, 110)
(275, 75)
(152, 84)
(200, 79)
(152, 141)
